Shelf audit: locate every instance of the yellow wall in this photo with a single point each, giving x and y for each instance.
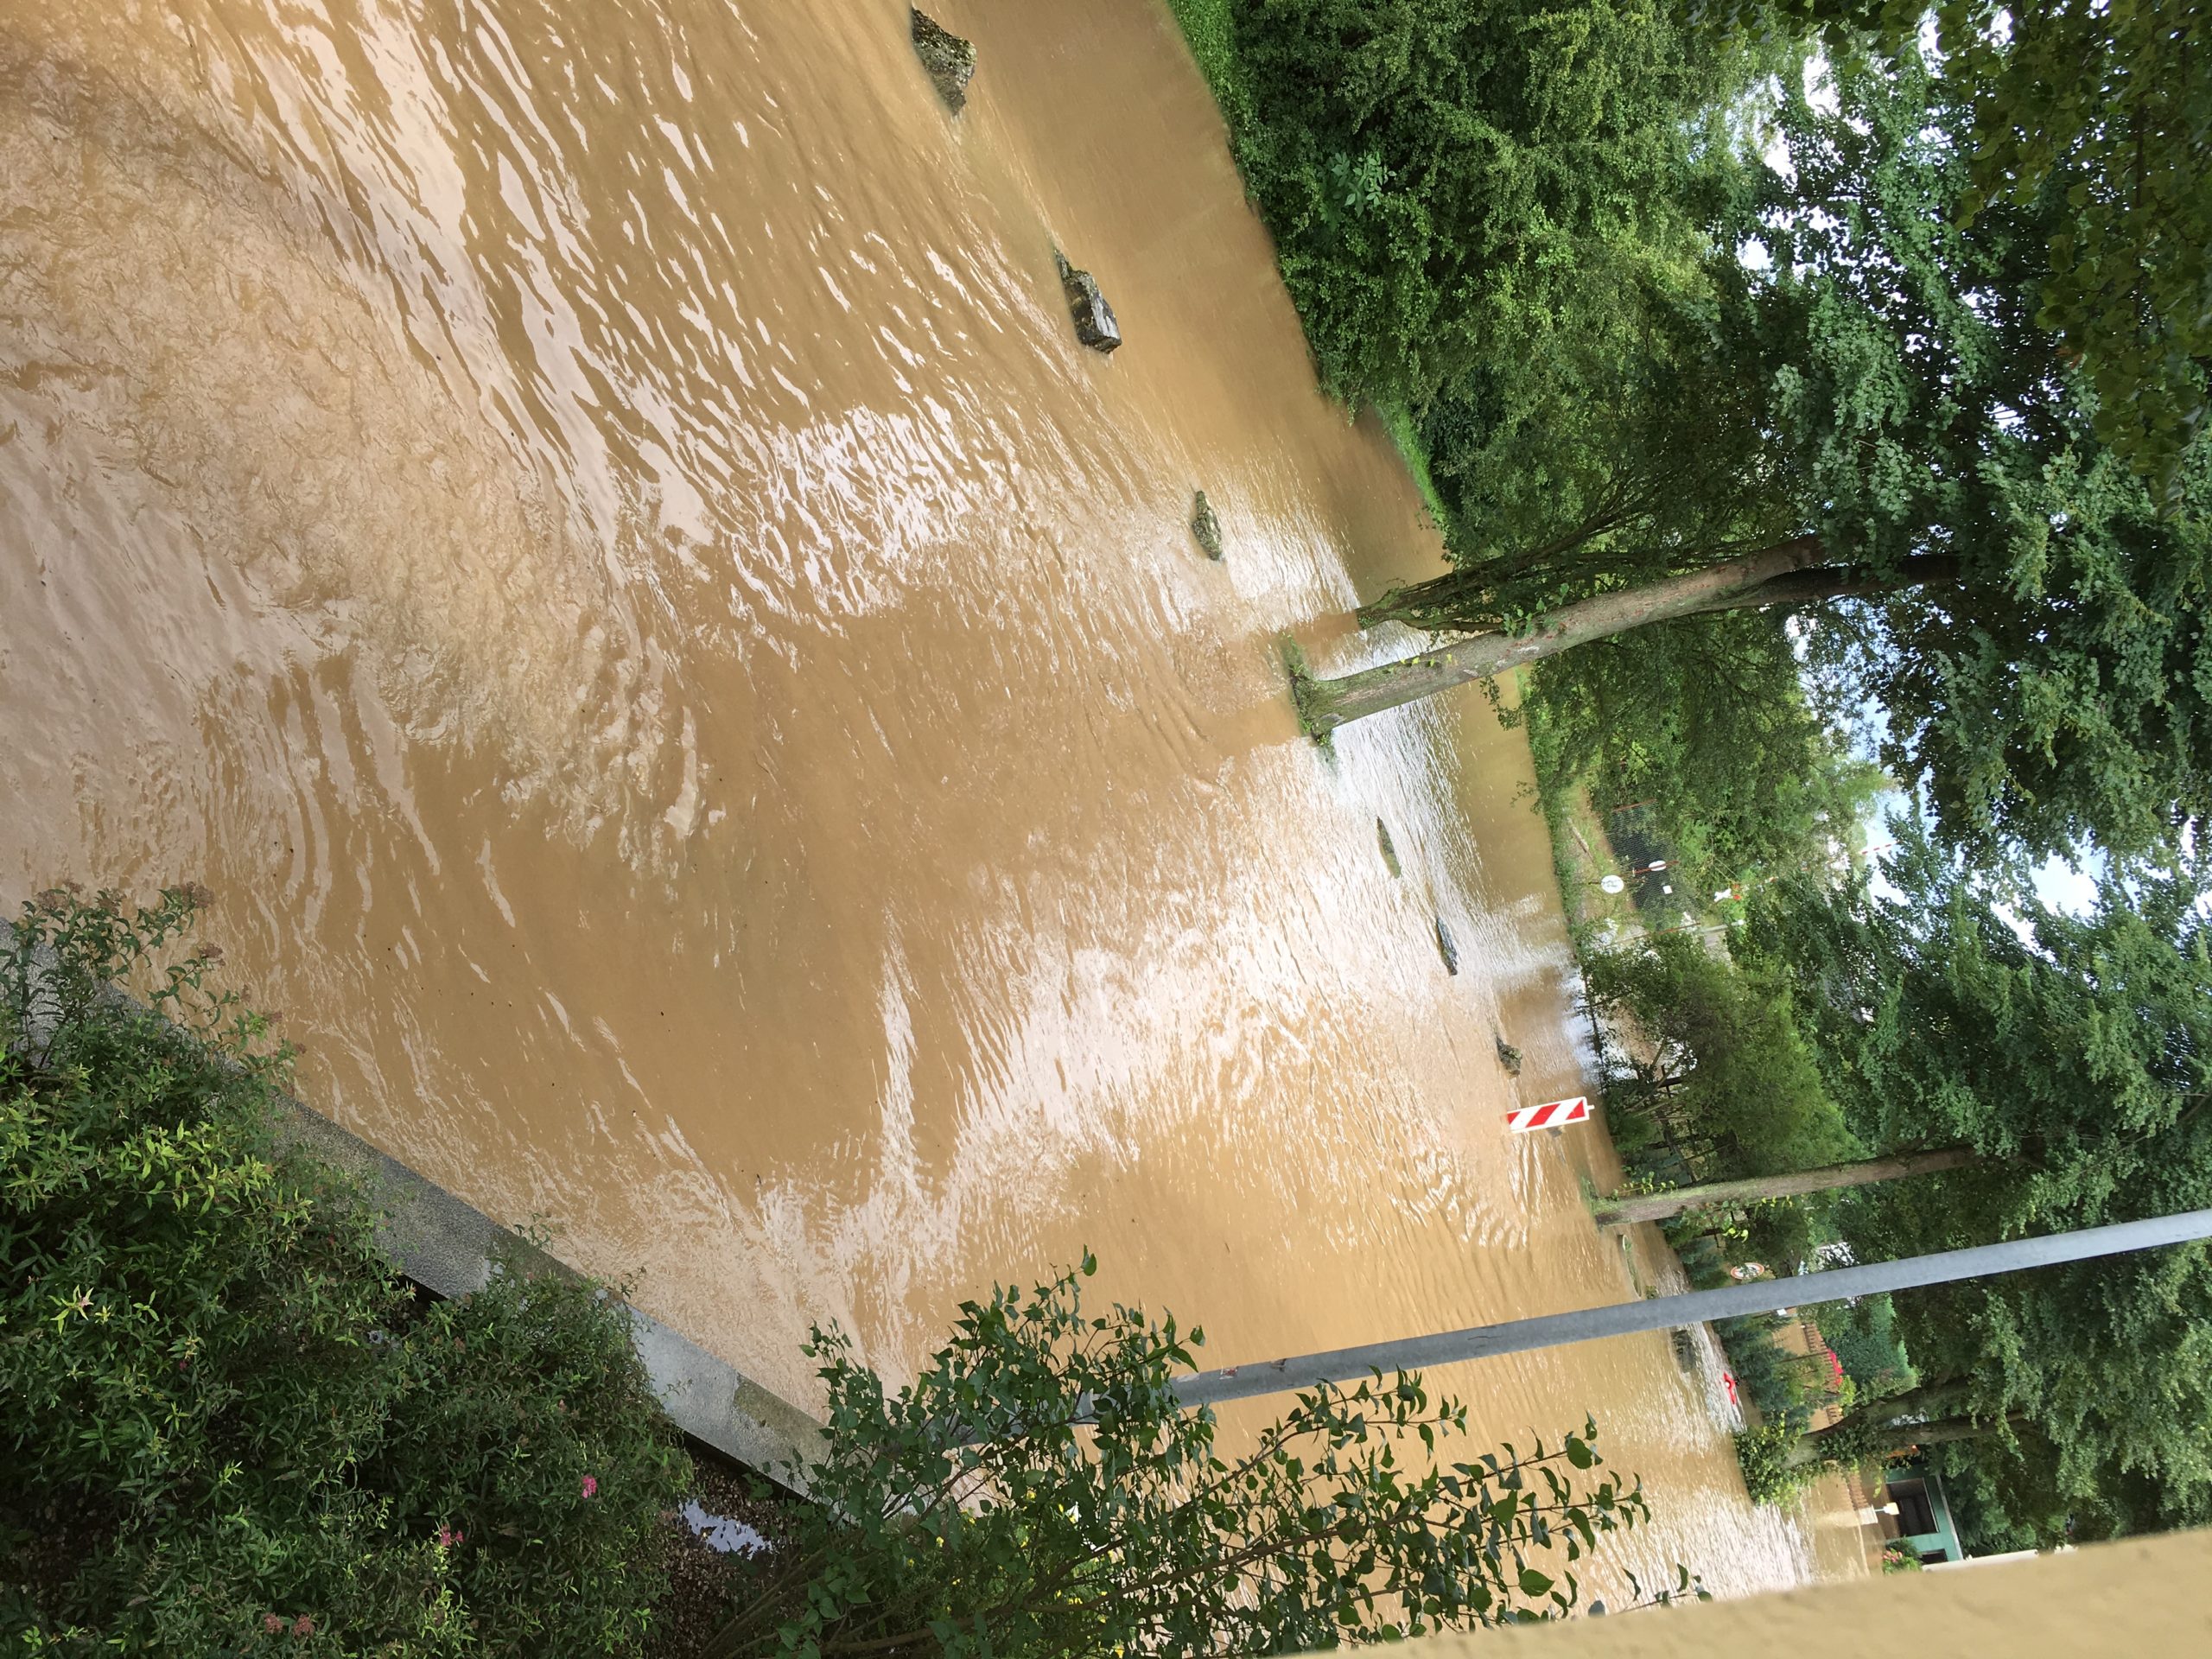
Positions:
(2143, 1598)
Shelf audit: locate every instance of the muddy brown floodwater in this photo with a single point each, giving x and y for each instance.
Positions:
(587, 524)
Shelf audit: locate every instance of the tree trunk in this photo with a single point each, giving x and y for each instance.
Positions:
(1789, 573)
(1659, 1206)
(1930, 1402)
(1884, 1443)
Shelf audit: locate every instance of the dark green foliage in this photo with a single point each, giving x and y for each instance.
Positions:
(2097, 114)
(1980, 306)
(1764, 1454)
(208, 1366)
(1864, 1337)
(2077, 1059)
(1725, 1058)
(1785, 1232)
(2013, 1500)
(974, 1511)
(1706, 722)
(1635, 440)
(2106, 106)
(2075, 1055)
(1881, 394)
(1447, 182)
(2055, 688)
(1762, 1373)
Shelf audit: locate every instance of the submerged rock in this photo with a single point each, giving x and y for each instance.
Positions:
(1389, 849)
(950, 60)
(1204, 525)
(1507, 1056)
(1093, 319)
(1686, 1352)
(1447, 947)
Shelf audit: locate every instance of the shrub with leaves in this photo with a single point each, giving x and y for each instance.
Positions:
(229, 1425)
(1772, 1472)
(1041, 1490)
(1442, 179)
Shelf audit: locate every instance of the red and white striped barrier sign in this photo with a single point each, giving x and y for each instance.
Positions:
(1549, 1116)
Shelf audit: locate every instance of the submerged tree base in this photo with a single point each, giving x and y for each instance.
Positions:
(1310, 696)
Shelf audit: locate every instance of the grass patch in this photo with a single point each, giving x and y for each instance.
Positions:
(1398, 421)
(1210, 32)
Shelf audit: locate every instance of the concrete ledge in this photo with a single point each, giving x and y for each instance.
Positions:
(447, 1246)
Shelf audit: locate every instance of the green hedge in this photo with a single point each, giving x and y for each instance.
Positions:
(231, 1427)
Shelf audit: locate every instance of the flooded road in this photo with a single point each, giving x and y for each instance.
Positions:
(589, 527)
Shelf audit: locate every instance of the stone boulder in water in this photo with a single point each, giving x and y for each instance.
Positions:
(1093, 319)
(950, 60)
(1389, 849)
(1207, 528)
(1447, 947)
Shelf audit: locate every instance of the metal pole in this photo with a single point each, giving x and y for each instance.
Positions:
(1664, 1312)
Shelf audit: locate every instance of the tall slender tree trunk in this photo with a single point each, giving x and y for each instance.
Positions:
(1881, 1444)
(1789, 573)
(1659, 1206)
(1928, 1402)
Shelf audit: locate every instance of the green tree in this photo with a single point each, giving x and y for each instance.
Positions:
(2075, 1053)
(1041, 1490)
(1445, 180)
(1709, 726)
(1721, 1048)
(1930, 491)
(2098, 113)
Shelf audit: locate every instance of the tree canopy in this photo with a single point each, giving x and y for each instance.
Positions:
(1706, 721)
(2098, 115)
(1919, 459)
(2075, 1053)
(1724, 1042)
(1452, 180)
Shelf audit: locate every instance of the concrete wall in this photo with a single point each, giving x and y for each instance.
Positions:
(2142, 1599)
(449, 1246)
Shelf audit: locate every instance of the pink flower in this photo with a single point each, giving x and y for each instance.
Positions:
(271, 1623)
(448, 1537)
(303, 1625)
(591, 1485)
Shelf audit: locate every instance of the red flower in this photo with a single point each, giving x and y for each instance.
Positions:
(591, 1485)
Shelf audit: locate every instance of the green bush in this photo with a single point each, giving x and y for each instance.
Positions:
(1727, 1060)
(1444, 180)
(1864, 1337)
(1040, 1489)
(1764, 1453)
(231, 1427)
(1762, 1370)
